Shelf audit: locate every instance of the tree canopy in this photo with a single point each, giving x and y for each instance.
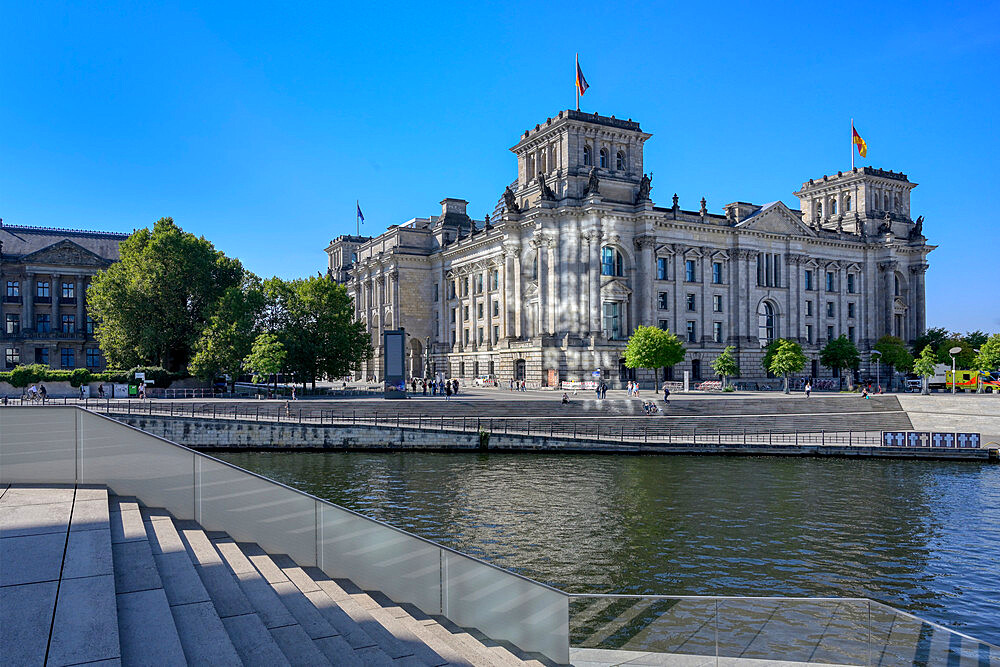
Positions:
(787, 358)
(725, 364)
(840, 354)
(652, 347)
(894, 353)
(988, 358)
(964, 360)
(152, 306)
(924, 365)
(266, 358)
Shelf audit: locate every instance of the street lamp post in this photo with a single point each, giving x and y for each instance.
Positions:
(427, 357)
(953, 351)
(979, 376)
(878, 385)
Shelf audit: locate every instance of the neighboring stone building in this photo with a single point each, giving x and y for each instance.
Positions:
(576, 255)
(44, 273)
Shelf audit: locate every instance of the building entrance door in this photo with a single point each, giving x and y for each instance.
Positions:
(519, 369)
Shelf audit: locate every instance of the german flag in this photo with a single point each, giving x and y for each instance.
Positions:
(859, 142)
(581, 83)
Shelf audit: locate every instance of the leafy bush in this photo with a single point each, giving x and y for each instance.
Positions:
(729, 388)
(22, 376)
(79, 376)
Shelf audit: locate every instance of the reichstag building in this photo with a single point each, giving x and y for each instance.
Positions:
(577, 254)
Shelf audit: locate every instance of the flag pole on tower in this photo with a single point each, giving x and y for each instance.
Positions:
(852, 144)
(581, 82)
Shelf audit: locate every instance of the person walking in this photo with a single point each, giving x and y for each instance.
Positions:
(455, 386)
(666, 394)
(100, 390)
(42, 392)
(447, 391)
(809, 388)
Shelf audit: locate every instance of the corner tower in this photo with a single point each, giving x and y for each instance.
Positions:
(860, 201)
(564, 150)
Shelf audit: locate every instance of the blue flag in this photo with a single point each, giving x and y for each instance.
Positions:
(361, 215)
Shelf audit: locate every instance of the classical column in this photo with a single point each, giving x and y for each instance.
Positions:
(918, 303)
(518, 297)
(679, 279)
(841, 295)
(583, 283)
(748, 309)
(396, 320)
(732, 307)
(795, 295)
(642, 290)
(81, 291)
(550, 252)
(888, 270)
(28, 302)
(595, 281)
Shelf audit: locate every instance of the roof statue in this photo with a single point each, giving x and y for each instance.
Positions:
(593, 184)
(918, 228)
(510, 202)
(645, 185)
(886, 226)
(547, 194)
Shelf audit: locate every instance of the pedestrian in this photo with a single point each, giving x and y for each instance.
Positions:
(81, 392)
(142, 391)
(423, 387)
(455, 387)
(666, 394)
(597, 390)
(42, 391)
(809, 388)
(447, 391)
(512, 384)
(100, 390)
(565, 398)
(635, 389)
(293, 392)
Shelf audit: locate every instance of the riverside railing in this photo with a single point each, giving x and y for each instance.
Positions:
(632, 430)
(71, 445)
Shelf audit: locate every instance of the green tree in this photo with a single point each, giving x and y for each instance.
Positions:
(229, 335)
(988, 359)
(652, 347)
(151, 306)
(725, 364)
(314, 319)
(266, 358)
(840, 354)
(933, 337)
(786, 359)
(894, 354)
(964, 360)
(924, 366)
(976, 338)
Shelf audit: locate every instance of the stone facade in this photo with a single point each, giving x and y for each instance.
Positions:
(44, 274)
(576, 255)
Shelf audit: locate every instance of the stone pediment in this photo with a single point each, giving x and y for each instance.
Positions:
(615, 289)
(65, 253)
(777, 219)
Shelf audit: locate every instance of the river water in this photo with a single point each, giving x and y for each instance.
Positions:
(921, 536)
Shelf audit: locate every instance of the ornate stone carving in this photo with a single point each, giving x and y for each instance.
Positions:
(886, 226)
(919, 269)
(645, 185)
(65, 253)
(641, 242)
(704, 210)
(511, 250)
(891, 265)
(593, 184)
(917, 231)
(675, 200)
(510, 201)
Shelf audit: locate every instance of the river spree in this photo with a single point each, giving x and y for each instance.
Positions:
(921, 536)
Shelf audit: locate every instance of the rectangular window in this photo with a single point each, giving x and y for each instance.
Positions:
(829, 281)
(664, 325)
(612, 320)
(809, 333)
(465, 313)
(43, 323)
(850, 309)
(12, 325)
(691, 331)
(661, 268)
(435, 291)
(68, 291)
(809, 308)
(496, 308)
(663, 301)
(809, 279)
(689, 270)
(829, 333)
(451, 290)
(480, 336)
(717, 303)
(850, 283)
(717, 273)
(829, 308)
(479, 310)
(495, 280)
(42, 355)
(13, 357)
(68, 325)
(466, 334)
(42, 289)
(691, 302)
(496, 333)
(93, 358)
(67, 357)
(717, 332)
(479, 283)
(454, 315)
(13, 288)
(850, 334)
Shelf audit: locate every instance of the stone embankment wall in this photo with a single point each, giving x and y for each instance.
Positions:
(228, 434)
(960, 413)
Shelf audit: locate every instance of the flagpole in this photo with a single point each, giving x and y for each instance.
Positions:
(357, 215)
(852, 144)
(576, 79)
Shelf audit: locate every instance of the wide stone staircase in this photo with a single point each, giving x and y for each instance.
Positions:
(87, 576)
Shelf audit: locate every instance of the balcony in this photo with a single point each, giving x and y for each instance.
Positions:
(9, 298)
(31, 334)
(43, 299)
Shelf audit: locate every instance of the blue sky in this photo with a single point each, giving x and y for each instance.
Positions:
(258, 125)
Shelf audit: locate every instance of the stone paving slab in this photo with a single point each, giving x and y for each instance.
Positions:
(148, 634)
(25, 617)
(34, 519)
(138, 571)
(180, 580)
(252, 641)
(29, 559)
(88, 553)
(90, 514)
(86, 624)
(202, 634)
(126, 522)
(38, 494)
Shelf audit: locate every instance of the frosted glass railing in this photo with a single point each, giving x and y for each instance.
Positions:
(71, 445)
(722, 630)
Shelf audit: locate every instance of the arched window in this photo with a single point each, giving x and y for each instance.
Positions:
(620, 161)
(541, 165)
(765, 323)
(819, 209)
(531, 167)
(588, 156)
(885, 202)
(833, 206)
(895, 203)
(604, 158)
(847, 203)
(611, 262)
